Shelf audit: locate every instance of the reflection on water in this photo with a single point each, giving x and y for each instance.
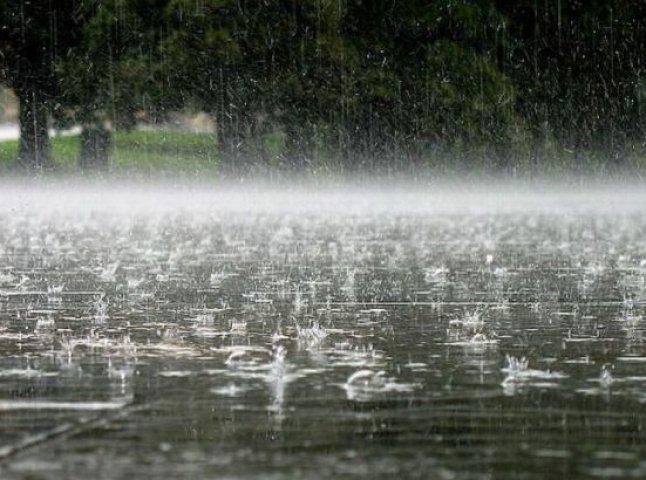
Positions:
(322, 342)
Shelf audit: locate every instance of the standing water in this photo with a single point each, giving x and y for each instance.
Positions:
(149, 333)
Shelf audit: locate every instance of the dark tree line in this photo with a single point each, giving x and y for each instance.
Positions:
(358, 84)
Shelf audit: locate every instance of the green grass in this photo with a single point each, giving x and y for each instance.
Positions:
(65, 152)
(8, 152)
(149, 152)
(135, 152)
(141, 153)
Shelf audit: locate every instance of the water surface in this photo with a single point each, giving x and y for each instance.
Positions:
(197, 334)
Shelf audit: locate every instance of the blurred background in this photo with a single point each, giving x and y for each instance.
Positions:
(323, 87)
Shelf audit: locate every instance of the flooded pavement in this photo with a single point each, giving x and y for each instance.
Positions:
(251, 335)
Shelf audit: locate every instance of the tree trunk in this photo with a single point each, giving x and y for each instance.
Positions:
(95, 148)
(34, 136)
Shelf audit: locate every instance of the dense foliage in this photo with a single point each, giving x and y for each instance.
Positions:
(342, 84)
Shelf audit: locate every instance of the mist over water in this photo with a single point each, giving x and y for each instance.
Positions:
(369, 197)
(440, 331)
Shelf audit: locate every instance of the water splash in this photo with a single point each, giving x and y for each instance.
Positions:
(520, 377)
(365, 385)
(312, 336)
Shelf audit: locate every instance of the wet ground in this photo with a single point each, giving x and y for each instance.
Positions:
(183, 335)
